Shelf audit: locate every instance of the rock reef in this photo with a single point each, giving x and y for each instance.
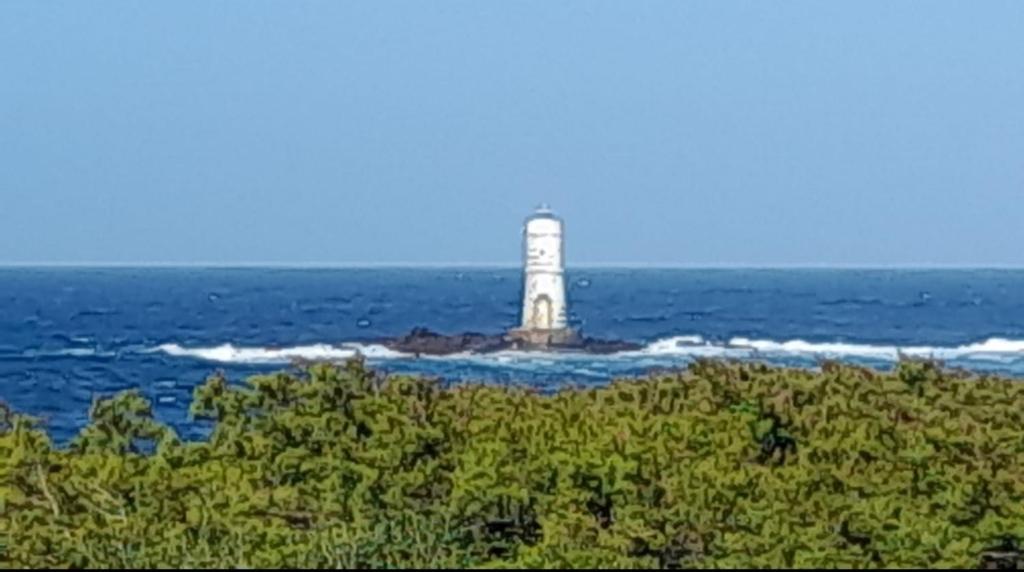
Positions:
(422, 341)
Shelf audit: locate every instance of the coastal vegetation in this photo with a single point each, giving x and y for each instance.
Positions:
(718, 465)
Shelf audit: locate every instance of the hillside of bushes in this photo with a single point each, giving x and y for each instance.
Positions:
(720, 465)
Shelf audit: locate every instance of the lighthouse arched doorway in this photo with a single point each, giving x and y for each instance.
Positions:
(542, 312)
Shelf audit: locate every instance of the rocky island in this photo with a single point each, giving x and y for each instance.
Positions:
(544, 325)
(422, 341)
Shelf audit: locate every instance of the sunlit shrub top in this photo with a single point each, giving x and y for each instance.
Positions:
(721, 465)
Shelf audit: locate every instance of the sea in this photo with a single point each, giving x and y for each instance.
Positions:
(71, 335)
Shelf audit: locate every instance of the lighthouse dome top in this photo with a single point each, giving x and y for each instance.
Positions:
(543, 211)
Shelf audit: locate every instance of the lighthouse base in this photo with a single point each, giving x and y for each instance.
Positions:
(539, 339)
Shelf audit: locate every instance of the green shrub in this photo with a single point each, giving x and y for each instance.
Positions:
(721, 465)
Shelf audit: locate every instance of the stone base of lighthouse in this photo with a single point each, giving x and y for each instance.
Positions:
(524, 338)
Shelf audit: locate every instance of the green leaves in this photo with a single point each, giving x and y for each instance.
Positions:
(724, 465)
(123, 424)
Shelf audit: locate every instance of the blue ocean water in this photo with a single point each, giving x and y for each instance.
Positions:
(68, 335)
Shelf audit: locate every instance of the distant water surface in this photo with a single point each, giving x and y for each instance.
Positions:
(69, 334)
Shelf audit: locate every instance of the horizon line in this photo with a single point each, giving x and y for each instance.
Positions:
(503, 265)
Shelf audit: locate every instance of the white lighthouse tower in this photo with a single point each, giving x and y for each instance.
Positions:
(544, 305)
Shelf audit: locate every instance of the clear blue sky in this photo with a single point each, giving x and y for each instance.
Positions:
(681, 133)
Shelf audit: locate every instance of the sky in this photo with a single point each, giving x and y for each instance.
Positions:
(717, 133)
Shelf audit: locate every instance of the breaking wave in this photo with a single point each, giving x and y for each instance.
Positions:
(667, 349)
(228, 353)
(994, 348)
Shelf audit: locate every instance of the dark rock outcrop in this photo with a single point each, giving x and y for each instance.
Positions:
(422, 341)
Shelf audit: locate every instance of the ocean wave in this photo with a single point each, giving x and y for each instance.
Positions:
(667, 349)
(993, 348)
(229, 353)
(33, 353)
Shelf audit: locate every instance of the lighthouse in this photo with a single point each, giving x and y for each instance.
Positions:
(544, 304)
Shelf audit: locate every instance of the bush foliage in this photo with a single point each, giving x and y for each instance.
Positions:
(720, 465)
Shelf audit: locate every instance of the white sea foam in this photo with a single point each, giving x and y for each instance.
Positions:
(228, 353)
(991, 349)
(801, 347)
(667, 349)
